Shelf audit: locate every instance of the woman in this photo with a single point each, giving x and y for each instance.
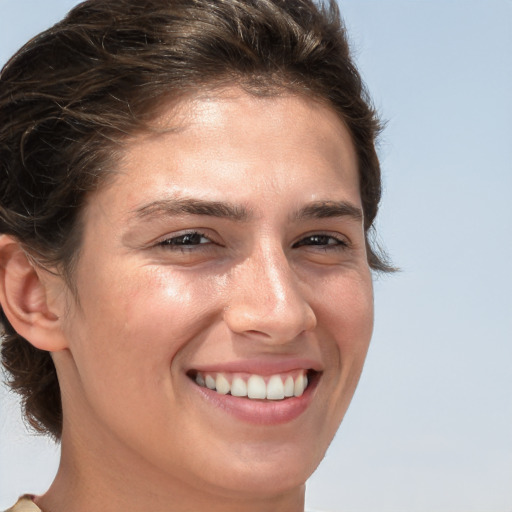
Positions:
(187, 193)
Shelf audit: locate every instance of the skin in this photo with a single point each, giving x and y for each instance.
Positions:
(264, 287)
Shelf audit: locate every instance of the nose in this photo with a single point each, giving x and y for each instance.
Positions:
(267, 299)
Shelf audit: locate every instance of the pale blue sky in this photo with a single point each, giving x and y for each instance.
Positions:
(430, 428)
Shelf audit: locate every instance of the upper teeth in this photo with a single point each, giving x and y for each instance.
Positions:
(274, 387)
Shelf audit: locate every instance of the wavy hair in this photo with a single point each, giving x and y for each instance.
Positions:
(72, 95)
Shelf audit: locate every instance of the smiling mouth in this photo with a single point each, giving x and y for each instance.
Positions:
(256, 387)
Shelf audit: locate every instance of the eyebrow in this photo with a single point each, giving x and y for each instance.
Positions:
(239, 213)
(180, 206)
(329, 209)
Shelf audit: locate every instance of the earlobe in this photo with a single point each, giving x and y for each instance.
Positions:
(24, 298)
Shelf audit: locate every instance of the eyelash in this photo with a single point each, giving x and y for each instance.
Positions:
(323, 241)
(188, 240)
(180, 242)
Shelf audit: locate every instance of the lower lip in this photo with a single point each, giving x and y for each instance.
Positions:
(260, 412)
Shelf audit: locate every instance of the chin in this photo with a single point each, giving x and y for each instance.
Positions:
(273, 471)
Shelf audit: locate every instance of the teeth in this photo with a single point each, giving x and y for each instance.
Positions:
(222, 384)
(238, 387)
(299, 386)
(275, 388)
(200, 380)
(210, 382)
(289, 386)
(256, 387)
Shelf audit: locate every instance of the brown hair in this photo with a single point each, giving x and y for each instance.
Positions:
(71, 96)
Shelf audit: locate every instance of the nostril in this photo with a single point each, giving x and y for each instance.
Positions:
(257, 333)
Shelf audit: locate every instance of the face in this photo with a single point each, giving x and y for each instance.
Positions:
(224, 300)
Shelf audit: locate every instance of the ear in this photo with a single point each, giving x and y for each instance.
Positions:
(24, 296)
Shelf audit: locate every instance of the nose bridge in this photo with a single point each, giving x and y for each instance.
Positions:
(280, 286)
(268, 298)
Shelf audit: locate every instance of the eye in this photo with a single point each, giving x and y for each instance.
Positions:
(185, 240)
(322, 241)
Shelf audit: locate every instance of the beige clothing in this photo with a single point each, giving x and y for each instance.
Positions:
(25, 504)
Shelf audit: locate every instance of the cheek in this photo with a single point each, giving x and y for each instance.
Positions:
(144, 317)
(347, 321)
(346, 310)
(124, 338)
(356, 311)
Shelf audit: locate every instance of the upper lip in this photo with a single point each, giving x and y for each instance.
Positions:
(260, 366)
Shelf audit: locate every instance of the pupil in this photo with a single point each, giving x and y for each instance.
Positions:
(190, 238)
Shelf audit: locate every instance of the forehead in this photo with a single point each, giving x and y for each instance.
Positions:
(230, 121)
(226, 105)
(248, 147)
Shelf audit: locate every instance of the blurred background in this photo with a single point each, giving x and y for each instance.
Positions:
(430, 427)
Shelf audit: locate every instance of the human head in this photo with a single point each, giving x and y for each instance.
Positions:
(74, 94)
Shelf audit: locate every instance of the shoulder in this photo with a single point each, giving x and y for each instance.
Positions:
(24, 504)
